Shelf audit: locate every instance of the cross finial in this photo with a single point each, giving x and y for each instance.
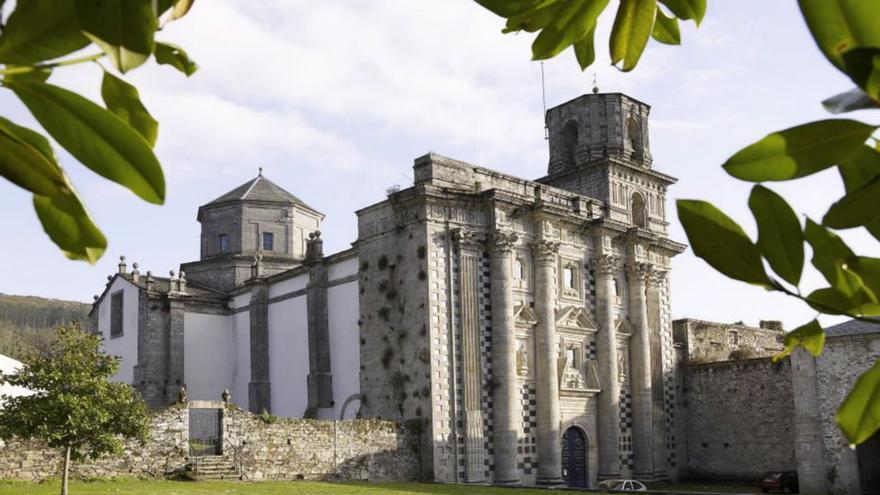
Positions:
(261, 171)
(595, 85)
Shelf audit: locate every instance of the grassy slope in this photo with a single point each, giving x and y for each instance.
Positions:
(132, 487)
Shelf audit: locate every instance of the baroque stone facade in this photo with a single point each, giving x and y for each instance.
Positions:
(524, 323)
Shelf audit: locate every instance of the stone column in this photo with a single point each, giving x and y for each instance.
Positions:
(176, 351)
(507, 414)
(260, 387)
(640, 379)
(320, 379)
(606, 348)
(546, 372)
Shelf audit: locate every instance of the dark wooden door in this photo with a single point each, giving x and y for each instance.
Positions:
(574, 458)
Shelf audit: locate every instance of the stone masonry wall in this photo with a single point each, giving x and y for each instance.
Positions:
(740, 419)
(283, 449)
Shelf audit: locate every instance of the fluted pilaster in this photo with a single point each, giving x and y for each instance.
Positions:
(546, 374)
(507, 414)
(640, 363)
(606, 348)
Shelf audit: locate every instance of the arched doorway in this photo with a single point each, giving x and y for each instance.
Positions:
(574, 458)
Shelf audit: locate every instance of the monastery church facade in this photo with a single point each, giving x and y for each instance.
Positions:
(524, 323)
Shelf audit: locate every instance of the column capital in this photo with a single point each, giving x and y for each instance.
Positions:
(501, 241)
(606, 264)
(640, 271)
(657, 277)
(468, 238)
(545, 250)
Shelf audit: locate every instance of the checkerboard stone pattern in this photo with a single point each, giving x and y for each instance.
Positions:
(526, 450)
(486, 363)
(668, 352)
(627, 459)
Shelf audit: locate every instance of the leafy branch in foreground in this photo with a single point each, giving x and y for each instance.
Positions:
(853, 281)
(848, 34)
(116, 140)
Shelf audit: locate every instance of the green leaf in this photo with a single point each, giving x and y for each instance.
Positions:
(181, 7)
(799, 151)
(573, 20)
(779, 233)
(829, 257)
(533, 20)
(38, 30)
(27, 160)
(842, 27)
(854, 99)
(857, 208)
(584, 50)
(40, 74)
(859, 415)
(687, 9)
(96, 137)
(173, 55)
(721, 242)
(868, 269)
(666, 29)
(631, 30)
(122, 28)
(863, 67)
(69, 225)
(123, 100)
(831, 301)
(857, 170)
(810, 336)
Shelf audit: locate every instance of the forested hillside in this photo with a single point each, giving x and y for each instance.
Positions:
(27, 323)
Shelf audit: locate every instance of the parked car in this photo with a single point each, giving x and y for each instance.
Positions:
(781, 481)
(623, 485)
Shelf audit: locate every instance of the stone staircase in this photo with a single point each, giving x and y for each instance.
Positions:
(213, 467)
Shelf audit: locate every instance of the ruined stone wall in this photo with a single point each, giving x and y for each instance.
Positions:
(843, 361)
(740, 419)
(279, 449)
(709, 341)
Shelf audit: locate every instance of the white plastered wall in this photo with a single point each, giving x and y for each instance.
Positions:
(124, 346)
(211, 356)
(343, 309)
(289, 356)
(241, 373)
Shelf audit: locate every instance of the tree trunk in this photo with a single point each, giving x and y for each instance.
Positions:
(66, 472)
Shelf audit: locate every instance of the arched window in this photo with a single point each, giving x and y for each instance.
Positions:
(639, 212)
(570, 142)
(634, 131)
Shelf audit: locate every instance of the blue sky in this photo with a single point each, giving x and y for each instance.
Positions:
(335, 98)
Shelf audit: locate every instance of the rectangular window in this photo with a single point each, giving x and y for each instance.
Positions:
(223, 243)
(268, 241)
(116, 310)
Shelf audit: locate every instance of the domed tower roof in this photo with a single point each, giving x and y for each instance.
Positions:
(259, 189)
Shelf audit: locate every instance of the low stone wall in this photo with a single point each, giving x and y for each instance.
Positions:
(275, 449)
(740, 419)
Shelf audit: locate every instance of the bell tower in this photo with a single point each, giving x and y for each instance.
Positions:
(599, 147)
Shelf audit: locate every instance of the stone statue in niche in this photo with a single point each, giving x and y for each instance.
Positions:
(522, 359)
(621, 366)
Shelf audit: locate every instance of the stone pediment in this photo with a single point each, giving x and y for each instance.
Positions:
(624, 328)
(524, 315)
(575, 318)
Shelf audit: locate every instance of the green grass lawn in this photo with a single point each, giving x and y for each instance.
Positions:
(131, 487)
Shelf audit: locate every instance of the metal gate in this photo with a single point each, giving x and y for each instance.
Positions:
(205, 432)
(574, 458)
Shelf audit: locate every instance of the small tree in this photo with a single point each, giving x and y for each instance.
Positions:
(74, 408)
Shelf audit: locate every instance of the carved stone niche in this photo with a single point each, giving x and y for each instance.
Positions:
(522, 270)
(571, 279)
(578, 375)
(524, 320)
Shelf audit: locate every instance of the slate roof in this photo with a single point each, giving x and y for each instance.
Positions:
(261, 189)
(853, 327)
